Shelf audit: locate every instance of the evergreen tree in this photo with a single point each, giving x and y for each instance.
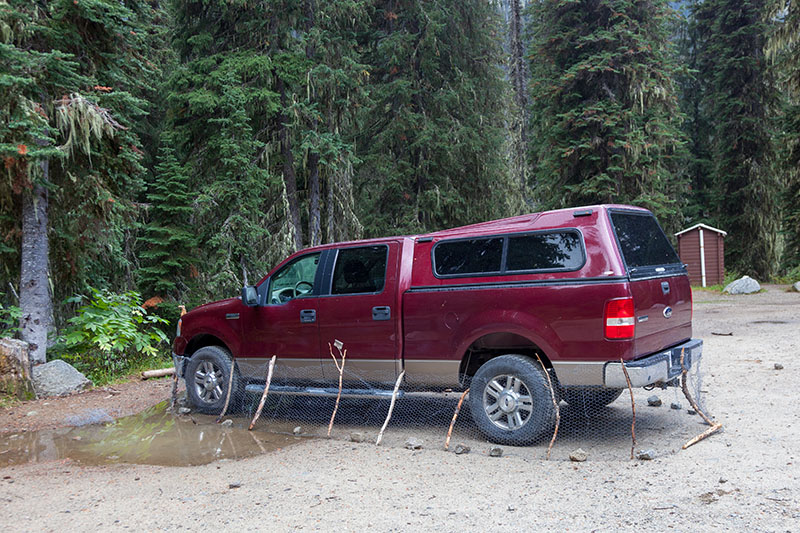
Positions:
(696, 126)
(738, 97)
(605, 117)
(169, 254)
(70, 74)
(783, 49)
(432, 142)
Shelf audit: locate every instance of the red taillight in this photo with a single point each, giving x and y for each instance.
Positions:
(619, 319)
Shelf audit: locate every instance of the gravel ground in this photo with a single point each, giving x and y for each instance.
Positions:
(744, 478)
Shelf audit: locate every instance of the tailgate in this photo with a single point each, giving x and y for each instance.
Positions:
(663, 308)
(662, 297)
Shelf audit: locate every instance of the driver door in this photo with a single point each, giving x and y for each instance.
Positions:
(285, 324)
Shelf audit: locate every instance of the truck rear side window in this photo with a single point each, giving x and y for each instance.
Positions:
(642, 242)
(472, 256)
(545, 251)
(360, 270)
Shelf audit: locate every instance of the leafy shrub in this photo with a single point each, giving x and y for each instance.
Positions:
(9, 319)
(111, 334)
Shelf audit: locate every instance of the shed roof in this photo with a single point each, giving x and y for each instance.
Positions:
(704, 226)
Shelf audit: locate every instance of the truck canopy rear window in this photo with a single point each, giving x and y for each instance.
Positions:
(642, 242)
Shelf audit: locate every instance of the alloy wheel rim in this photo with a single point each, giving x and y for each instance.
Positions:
(208, 381)
(507, 402)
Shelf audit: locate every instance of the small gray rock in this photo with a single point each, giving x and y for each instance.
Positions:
(743, 285)
(297, 430)
(234, 485)
(227, 423)
(691, 411)
(646, 455)
(778, 366)
(358, 437)
(413, 444)
(32, 413)
(184, 411)
(654, 401)
(676, 405)
(796, 287)
(461, 448)
(496, 452)
(57, 378)
(578, 456)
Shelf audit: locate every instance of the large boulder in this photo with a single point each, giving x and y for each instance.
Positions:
(58, 378)
(15, 375)
(743, 285)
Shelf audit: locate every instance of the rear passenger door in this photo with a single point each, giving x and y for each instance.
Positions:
(360, 310)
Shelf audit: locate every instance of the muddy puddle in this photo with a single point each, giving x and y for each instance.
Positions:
(154, 436)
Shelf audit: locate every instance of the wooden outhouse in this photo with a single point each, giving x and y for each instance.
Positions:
(702, 248)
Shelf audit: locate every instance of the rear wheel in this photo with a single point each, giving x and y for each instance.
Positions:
(207, 376)
(592, 397)
(510, 400)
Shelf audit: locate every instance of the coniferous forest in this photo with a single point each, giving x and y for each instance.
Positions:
(181, 148)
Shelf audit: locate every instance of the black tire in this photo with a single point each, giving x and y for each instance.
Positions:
(590, 397)
(501, 408)
(207, 375)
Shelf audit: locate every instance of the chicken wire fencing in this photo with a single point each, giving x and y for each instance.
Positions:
(538, 419)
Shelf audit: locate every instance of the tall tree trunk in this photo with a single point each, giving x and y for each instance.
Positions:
(34, 289)
(314, 227)
(314, 222)
(289, 178)
(330, 228)
(518, 80)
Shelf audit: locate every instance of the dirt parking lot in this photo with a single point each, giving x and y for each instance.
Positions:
(744, 478)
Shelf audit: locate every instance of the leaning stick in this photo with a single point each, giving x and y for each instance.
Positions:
(555, 405)
(633, 406)
(228, 393)
(453, 422)
(174, 395)
(264, 395)
(391, 407)
(685, 388)
(715, 426)
(339, 367)
(710, 431)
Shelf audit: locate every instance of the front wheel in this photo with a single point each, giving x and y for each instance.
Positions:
(510, 400)
(207, 375)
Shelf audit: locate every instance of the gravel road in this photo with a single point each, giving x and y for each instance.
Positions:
(744, 478)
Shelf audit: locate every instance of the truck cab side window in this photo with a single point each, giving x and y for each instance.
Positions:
(360, 270)
(293, 280)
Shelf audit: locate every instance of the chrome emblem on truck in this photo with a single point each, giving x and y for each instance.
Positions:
(667, 312)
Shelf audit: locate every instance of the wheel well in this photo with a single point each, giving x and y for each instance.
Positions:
(496, 344)
(201, 341)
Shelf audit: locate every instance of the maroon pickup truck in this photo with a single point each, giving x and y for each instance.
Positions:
(470, 307)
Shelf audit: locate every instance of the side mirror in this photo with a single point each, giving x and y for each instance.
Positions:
(249, 296)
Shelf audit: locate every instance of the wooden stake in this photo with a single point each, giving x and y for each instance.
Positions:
(343, 354)
(391, 407)
(555, 405)
(710, 431)
(264, 395)
(633, 407)
(453, 422)
(228, 393)
(715, 426)
(174, 395)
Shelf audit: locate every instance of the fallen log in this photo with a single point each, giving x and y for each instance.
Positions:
(160, 373)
